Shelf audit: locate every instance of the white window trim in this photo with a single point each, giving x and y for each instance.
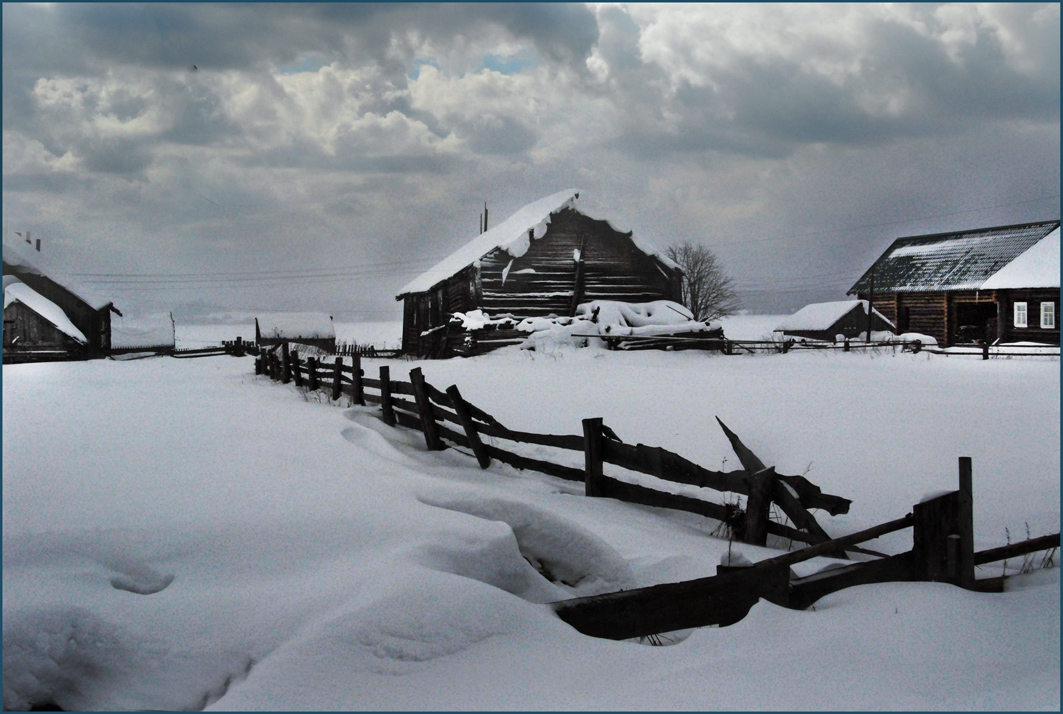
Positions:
(1048, 316)
(1020, 314)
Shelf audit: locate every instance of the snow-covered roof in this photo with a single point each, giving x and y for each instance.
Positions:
(24, 259)
(962, 260)
(511, 236)
(823, 315)
(17, 291)
(293, 325)
(1038, 267)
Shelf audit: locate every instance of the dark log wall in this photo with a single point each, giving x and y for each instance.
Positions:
(940, 314)
(1033, 299)
(25, 328)
(542, 281)
(94, 324)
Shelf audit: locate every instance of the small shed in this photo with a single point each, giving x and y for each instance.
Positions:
(827, 320)
(304, 328)
(985, 285)
(546, 259)
(46, 320)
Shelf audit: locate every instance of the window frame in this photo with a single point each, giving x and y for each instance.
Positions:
(1020, 314)
(1050, 312)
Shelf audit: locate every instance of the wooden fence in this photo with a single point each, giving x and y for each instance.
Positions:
(445, 417)
(942, 551)
(943, 531)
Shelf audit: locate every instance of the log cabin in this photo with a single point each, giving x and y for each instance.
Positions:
(544, 260)
(46, 320)
(997, 285)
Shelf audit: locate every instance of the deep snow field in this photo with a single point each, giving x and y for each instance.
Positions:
(180, 534)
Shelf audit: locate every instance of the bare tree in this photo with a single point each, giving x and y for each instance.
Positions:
(707, 291)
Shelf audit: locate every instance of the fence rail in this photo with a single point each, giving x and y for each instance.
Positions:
(942, 539)
(445, 417)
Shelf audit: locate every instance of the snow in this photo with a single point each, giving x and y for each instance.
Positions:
(212, 538)
(146, 331)
(17, 291)
(821, 316)
(26, 259)
(512, 236)
(1037, 267)
(292, 325)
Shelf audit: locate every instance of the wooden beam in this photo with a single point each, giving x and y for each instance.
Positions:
(462, 410)
(385, 396)
(826, 547)
(592, 456)
(424, 407)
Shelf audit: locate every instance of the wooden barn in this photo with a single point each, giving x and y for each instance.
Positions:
(827, 320)
(545, 259)
(44, 320)
(997, 284)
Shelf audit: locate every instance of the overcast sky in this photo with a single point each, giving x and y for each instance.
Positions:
(318, 157)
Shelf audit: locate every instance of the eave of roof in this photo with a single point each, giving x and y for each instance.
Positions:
(961, 260)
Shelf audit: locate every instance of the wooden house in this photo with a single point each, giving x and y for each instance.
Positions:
(997, 284)
(827, 320)
(314, 329)
(44, 320)
(544, 260)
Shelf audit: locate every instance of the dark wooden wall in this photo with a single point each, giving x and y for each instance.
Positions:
(94, 324)
(24, 328)
(543, 280)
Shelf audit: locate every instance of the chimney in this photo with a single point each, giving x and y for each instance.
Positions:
(485, 216)
(38, 245)
(28, 238)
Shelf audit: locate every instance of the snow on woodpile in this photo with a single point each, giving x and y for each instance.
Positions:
(822, 315)
(17, 291)
(1038, 267)
(295, 325)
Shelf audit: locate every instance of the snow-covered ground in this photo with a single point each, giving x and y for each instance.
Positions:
(181, 533)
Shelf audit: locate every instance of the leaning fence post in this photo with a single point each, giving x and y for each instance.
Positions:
(462, 410)
(357, 395)
(385, 396)
(758, 505)
(424, 408)
(594, 479)
(337, 378)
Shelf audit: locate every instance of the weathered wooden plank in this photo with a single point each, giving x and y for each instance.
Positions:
(522, 462)
(424, 406)
(385, 395)
(805, 591)
(461, 409)
(371, 383)
(571, 443)
(337, 381)
(719, 600)
(406, 388)
(791, 506)
(634, 493)
(674, 467)
(592, 457)
(1014, 550)
(825, 547)
(758, 506)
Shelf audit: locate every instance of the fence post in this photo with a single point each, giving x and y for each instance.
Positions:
(758, 504)
(311, 373)
(985, 349)
(965, 522)
(424, 408)
(258, 364)
(593, 439)
(943, 534)
(357, 394)
(462, 410)
(287, 363)
(337, 378)
(385, 396)
(846, 348)
(295, 368)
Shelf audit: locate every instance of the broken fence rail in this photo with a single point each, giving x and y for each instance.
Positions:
(444, 416)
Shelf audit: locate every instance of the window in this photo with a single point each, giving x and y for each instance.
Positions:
(1020, 314)
(1048, 315)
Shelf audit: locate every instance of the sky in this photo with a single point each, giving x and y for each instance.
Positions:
(210, 158)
